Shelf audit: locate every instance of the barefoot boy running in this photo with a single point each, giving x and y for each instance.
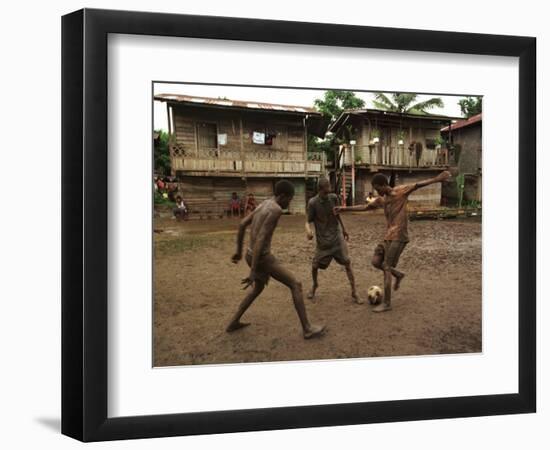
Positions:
(330, 236)
(394, 201)
(263, 264)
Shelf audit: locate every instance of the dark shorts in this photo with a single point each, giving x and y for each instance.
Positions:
(179, 212)
(323, 258)
(264, 268)
(392, 252)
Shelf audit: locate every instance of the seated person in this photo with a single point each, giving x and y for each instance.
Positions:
(180, 211)
(160, 185)
(250, 204)
(172, 189)
(235, 205)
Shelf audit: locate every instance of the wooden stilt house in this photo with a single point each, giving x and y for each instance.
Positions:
(220, 146)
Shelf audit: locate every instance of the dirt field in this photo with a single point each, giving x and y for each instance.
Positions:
(197, 289)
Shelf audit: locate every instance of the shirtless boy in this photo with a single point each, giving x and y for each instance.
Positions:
(263, 264)
(394, 201)
(330, 236)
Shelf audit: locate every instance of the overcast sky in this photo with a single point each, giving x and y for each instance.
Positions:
(298, 97)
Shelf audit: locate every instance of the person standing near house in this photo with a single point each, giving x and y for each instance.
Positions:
(330, 236)
(263, 265)
(394, 201)
(415, 150)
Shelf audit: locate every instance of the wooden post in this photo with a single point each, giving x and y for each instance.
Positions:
(450, 138)
(390, 147)
(170, 139)
(242, 147)
(344, 182)
(419, 133)
(305, 146)
(410, 141)
(372, 151)
(169, 119)
(196, 128)
(353, 175)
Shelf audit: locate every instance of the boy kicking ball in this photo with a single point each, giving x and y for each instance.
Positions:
(263, 265)
(394, 201)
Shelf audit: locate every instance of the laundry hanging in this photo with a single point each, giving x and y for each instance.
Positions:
(258, 137)
(222, 139)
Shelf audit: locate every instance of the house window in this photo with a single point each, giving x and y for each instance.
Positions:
(208, 135)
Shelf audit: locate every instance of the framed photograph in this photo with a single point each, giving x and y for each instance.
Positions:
(273, 224)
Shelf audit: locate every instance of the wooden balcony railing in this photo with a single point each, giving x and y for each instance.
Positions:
(383, 155)
(212, 160)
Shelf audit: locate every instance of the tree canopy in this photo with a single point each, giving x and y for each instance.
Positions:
(470, 106)
(405, 103)
(331, 106)
(335, 102)
(162, 153)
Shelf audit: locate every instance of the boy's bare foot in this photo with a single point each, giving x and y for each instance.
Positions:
(356, 299)
(234, 326)
(311, 293)
(382, 307)
(314, 331)
(398, 279)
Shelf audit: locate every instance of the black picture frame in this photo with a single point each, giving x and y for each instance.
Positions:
(84, 224)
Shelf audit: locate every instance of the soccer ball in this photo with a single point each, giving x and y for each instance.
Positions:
(375, 295)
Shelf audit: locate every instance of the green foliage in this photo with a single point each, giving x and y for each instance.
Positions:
(331, 106)
(335, 102)
(160, 200)
(375, 133)
(315, 144)
(405, 103)
(470, 106)
(473, 204)
(162, 153)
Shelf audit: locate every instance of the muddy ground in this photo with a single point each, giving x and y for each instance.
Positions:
(197, 289)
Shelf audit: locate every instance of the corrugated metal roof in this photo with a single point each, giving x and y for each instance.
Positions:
(464, 123)
(398, 114)
(380, 112)
(227, 103)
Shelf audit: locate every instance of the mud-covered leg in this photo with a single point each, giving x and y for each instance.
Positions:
(378, 257)
(284, 276)
(398, 277)
(351, 278)
(378, 262)
(235, 323)
(315, 285)
(396, 249)
(386, 303)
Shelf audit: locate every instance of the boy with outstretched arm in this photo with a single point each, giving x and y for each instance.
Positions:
(394, 201)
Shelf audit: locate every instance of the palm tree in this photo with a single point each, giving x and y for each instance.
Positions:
(405, 103)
